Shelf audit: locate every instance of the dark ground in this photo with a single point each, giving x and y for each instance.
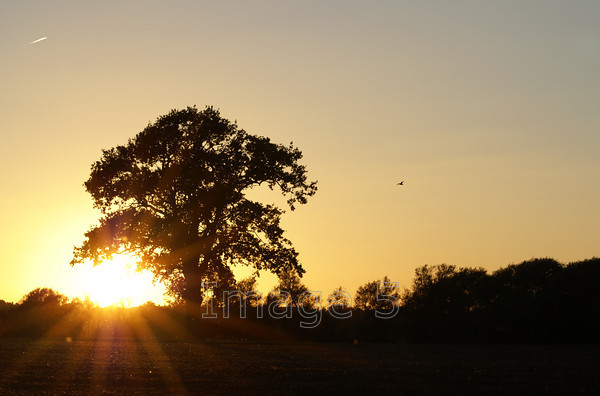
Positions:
(130, 367)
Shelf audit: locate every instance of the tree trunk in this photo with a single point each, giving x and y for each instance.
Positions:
(193, 298)
(195, 268)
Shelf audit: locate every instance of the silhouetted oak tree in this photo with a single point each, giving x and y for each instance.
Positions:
(175, 196)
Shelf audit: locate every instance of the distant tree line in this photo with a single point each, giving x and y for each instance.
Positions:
(539, 300)
(536, 301)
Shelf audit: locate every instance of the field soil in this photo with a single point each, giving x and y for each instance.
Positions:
(118, 366)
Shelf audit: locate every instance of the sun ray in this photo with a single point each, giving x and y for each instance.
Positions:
(159, 358)
(66, 325)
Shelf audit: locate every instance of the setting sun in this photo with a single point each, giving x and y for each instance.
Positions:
(300, 197)
(116, 282)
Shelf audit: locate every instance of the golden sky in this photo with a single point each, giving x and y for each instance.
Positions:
(489, 111)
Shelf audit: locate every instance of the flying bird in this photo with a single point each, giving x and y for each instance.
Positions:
(401, 183)
(37, 41)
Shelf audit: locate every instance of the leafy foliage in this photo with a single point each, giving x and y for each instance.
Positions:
(294, 292)
(340, 299)
(538, 300)
(370, 295)
(175, 195)
(43, 296)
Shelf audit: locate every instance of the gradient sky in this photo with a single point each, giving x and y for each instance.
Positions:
(489, 111)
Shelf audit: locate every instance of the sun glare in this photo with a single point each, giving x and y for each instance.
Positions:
(116, 282)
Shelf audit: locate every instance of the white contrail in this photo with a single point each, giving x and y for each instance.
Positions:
(37, 41)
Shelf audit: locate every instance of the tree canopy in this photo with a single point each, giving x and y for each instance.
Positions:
(43, 296)
(175, 195)
(379, 294)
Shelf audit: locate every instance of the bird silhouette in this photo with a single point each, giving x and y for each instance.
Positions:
(401, 183)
